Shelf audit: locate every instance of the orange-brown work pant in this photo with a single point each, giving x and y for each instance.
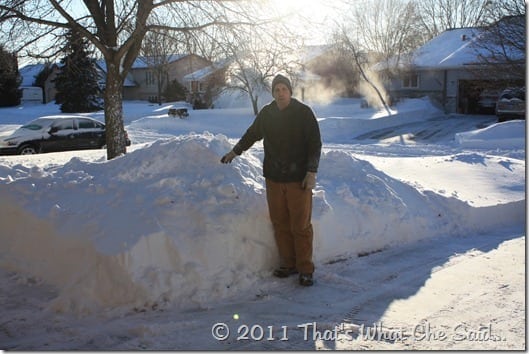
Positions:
(290, 209)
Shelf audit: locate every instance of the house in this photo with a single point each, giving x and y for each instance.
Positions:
(129, 85)
(29, 75)
(452, 70)
(140, 83)
(203, 85)
(143, 74)
(30, 72)
(30, 92)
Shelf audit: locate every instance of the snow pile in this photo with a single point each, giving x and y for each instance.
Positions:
(506, 135)
(169, 224)
(165, 223)
(368, 210)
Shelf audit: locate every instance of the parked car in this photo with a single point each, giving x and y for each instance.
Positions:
(511, 104)
(51, 134)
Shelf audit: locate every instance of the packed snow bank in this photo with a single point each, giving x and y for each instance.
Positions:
(179, 224)
(505, 135)
(169, 224)
(365, 210)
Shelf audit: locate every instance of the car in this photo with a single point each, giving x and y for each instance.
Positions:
(511, 104)
(53, 134)
(180, 112)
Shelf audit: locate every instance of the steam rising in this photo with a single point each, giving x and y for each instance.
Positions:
(318, 92)
(369, 93)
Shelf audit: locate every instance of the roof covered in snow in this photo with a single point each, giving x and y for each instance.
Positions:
(203, 73)
(452, 49)
(129, 82)
(29, 73)
(146, 62)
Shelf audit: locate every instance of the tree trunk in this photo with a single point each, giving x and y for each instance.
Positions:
(364, 76)
(254, 104)
(115, 131)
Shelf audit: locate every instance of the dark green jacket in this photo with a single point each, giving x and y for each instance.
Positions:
(291, 140)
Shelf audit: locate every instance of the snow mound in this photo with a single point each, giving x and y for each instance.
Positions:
(169, 224)
(164, 223)
(505, 135)
(364, 210)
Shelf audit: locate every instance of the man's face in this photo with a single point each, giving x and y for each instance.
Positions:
(282, 95)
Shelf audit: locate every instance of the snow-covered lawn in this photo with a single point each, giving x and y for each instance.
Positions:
(419, 237)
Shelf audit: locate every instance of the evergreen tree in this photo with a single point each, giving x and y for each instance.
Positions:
(174, 91)
(76, 82)
(10, 79)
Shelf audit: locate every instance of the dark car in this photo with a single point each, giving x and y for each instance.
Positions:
(51, 134)
(511, 104)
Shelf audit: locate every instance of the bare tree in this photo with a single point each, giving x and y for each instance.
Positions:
(256, 57)
(361, 63)
(116, 28)
(498, 9)
(380, 31)
(502, 44)
(387, 28)
(158, 50)
(438, 16)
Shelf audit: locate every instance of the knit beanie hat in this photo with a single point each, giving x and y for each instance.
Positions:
(280, 79)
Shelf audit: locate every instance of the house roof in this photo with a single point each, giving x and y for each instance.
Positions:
(29, 72)
(200, 74)
(146, 62)
(450, 49)
(203, 73)
(453, 48)
(102, 65)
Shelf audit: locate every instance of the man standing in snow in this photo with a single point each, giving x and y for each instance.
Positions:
(292, 148)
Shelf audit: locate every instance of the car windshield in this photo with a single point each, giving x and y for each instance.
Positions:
(37, 124)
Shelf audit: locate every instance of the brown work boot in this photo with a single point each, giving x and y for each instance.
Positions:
(306, 279)
(284, 272)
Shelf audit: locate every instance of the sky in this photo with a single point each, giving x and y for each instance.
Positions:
(313, 20)
(419, 222)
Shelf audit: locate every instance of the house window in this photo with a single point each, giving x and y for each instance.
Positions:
(410, 80)
(149, 78)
